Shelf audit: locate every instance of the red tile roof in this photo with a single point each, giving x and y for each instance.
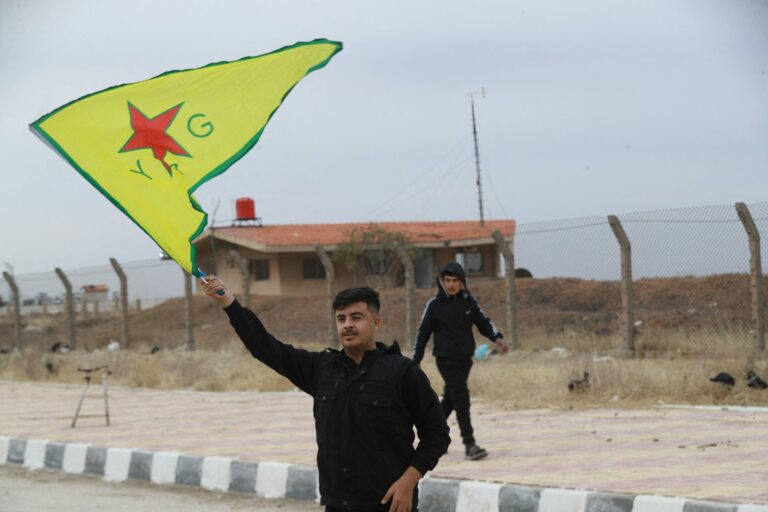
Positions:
(331, 234)
(94, 288)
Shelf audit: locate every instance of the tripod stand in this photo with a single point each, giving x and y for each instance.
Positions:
(105, 373)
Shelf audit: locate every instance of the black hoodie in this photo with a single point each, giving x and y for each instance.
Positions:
(450, 318)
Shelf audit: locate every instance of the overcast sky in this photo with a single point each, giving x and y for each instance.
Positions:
(592, 107)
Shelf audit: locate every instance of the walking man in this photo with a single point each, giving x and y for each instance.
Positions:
(367, 400)
(450, 316)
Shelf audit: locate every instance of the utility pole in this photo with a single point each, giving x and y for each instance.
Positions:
(477, 155)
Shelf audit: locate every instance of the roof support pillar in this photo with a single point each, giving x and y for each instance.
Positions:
(330, 289)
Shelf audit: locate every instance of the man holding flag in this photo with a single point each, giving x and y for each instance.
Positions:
(367, 400)
(147, 146)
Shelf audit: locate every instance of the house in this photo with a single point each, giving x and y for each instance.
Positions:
(282, 259)
(94, 292)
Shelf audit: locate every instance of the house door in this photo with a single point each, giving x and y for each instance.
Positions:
(422, 268)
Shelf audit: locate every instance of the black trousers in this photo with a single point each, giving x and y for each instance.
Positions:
(455, 373)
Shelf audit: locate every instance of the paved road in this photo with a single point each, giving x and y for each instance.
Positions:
(55, 491)
(706, 454)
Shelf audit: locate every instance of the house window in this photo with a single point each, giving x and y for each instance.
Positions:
(472, 261)
(260, 270)
(312, 268)
(378, 263)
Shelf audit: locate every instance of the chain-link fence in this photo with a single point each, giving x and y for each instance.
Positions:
(691, 288)
(574, 301)
(97, 288)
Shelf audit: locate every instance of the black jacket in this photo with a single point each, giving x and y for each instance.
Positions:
(450, 318)
(364, 415)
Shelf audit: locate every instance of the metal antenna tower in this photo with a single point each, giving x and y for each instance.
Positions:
(477, 154)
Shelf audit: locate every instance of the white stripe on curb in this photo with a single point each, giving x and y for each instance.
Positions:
(752, 508)
(215, 474)
(657, 504)
(562, 500)
(5, 443)
(478, 497)
(271, 479)
(117, 465)
(74, 457)
(164, 467)
(34, 454)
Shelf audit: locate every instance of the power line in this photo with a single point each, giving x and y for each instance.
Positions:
(441, 179)
(450, 173)
(387, 203)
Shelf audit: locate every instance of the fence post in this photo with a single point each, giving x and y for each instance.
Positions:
(245, 275)
(410, 296)
(628, 313)
(123, 298)
(330, 288)
(69, 303)
(509, 269)
(756, 273)
(189, 310)
(16, 308)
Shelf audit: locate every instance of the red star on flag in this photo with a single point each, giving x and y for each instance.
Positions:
(152, 134)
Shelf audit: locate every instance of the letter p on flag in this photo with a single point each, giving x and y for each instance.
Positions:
(149, 145)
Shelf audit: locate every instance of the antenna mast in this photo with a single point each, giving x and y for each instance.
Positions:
(477, 155)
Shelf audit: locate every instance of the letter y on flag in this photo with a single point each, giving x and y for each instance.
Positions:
(149, 145)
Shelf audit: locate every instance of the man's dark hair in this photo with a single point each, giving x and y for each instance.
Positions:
(361, 294)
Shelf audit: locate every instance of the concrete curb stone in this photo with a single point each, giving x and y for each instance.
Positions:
(95, 460)
(164, 467)
(16, 450)
(242, 476)
(74, 458)
(610, 502)
(34, 454)
(708, 506)
(54, 455)
(189, 470)
(140, 466)
(514, 498)
(300, 482)
(5, 443)
(438, 494)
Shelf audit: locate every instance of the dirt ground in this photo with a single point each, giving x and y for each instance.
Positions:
(43, 490)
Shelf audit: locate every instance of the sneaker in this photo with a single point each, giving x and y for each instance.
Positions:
(474, 452)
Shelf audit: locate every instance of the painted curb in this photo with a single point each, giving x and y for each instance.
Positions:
(295, 481)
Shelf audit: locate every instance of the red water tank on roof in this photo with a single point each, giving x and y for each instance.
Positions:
(245, 208)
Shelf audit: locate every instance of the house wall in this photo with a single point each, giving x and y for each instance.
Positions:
(94, 296)
(286, 270)
(229, 272)
(293, 282)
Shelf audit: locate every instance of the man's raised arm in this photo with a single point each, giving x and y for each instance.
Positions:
(297, 365)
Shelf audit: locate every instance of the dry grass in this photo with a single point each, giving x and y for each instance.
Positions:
(520, 380)
(174, 369)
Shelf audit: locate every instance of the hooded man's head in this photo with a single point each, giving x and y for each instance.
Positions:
(452, 279)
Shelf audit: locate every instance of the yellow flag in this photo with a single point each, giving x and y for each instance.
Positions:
(149, 145)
